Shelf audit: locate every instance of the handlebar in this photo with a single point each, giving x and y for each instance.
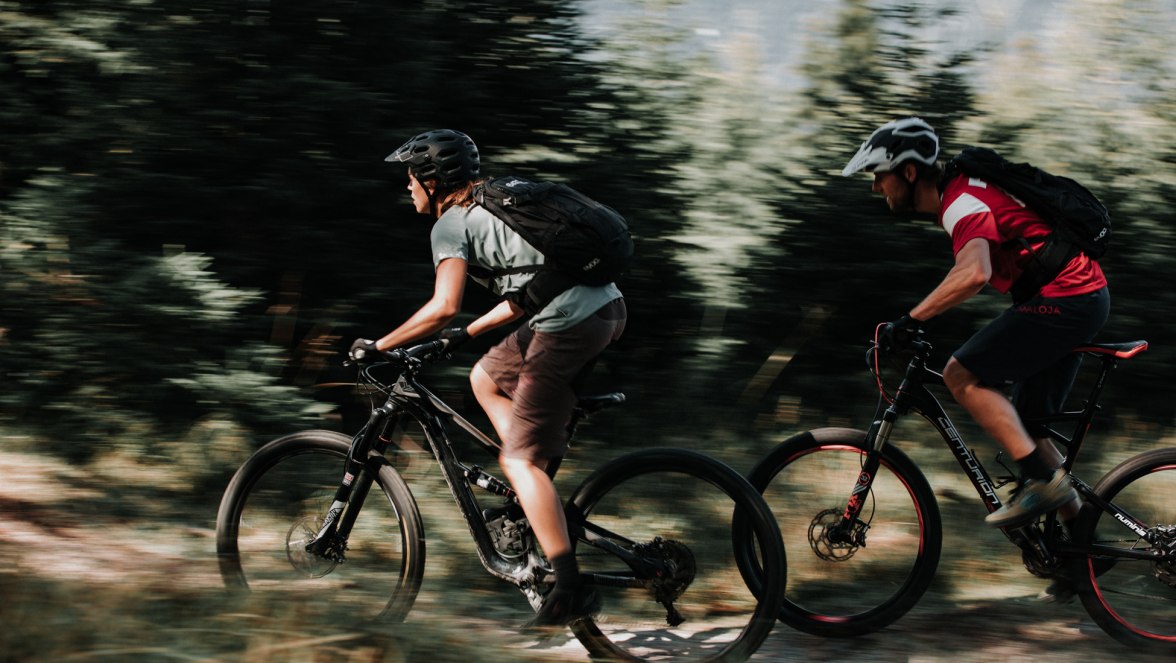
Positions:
(396, 363)
(412, 355)
(918, 346)
(917, 350)
(422, 352)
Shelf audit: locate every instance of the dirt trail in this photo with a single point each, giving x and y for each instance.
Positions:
(89, 572)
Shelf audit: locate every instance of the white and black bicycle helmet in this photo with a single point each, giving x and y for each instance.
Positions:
(445, 155)
(895, 143)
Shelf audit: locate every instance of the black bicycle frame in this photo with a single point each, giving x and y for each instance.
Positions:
(913, 395)
(408, 397)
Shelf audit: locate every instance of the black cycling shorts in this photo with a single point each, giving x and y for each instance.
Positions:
(1029, 348)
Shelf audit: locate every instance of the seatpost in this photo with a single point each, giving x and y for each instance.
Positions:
(1090, 407)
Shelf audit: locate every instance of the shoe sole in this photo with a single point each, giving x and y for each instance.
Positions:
(1029, 516)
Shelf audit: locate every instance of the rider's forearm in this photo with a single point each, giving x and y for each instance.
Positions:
(441, 308)
(969, 275)
(430, 319)
(505, 312)
(953, 291)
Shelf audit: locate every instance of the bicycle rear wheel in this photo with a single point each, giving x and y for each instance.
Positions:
(851, 583)
(1134, 601)
(275, 504)
(676, 507)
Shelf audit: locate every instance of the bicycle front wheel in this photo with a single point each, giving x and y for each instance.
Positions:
(675, 508)
(848, 582)
(1133, 600)
(275, 505)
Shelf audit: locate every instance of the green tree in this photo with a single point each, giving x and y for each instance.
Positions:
(254, 133)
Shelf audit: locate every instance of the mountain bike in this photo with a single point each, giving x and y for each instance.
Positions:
(865, 533)
(652, 530)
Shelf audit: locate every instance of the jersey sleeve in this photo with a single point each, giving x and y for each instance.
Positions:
(449, 238)
(966, 218)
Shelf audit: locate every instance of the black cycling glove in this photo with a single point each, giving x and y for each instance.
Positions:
(456, 337)
(362, 349)
(898, 335)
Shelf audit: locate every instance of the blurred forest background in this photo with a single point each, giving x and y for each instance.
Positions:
(196, 220)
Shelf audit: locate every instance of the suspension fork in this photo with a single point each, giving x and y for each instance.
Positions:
(876, 439)
(851, 529)
(356, 483)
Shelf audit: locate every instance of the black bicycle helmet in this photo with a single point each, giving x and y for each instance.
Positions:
(894, 143)
(445, 155)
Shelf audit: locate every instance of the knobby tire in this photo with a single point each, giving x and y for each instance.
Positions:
(278, 498)
(688, 502)
(844, 590)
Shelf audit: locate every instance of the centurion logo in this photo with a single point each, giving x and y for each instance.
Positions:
(970, 461)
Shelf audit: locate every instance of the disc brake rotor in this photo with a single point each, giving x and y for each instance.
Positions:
(830, 541)
(301, 533)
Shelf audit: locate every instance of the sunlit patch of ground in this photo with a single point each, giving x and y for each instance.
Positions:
(101, 563)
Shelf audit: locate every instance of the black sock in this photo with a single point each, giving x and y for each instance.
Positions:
(1034, 466)
(567, 571)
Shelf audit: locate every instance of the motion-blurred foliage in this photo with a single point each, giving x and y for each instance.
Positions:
(196, 218)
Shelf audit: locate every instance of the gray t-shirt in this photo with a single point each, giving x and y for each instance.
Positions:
(482, 239)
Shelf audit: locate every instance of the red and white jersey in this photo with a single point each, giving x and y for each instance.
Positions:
(973, 208)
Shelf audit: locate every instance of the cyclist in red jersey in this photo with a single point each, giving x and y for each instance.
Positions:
(1027, 348)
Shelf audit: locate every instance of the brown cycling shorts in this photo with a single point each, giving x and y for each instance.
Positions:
(539, 371)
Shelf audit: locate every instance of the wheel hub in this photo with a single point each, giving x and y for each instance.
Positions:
(832, 542)
(304, 532)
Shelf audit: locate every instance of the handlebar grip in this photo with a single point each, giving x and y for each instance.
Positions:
(424, 349)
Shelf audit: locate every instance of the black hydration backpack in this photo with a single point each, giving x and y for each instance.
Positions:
(1080, 221)
(582, 241)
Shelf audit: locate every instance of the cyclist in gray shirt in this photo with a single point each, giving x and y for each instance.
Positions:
(527, 382)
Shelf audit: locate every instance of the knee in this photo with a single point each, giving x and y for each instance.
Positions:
(510, 468)
(958, 378)
(481, 382)
(520, 471)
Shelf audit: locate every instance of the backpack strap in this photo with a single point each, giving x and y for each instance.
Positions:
(539, 291)
(1046, 263)
(478, 271)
